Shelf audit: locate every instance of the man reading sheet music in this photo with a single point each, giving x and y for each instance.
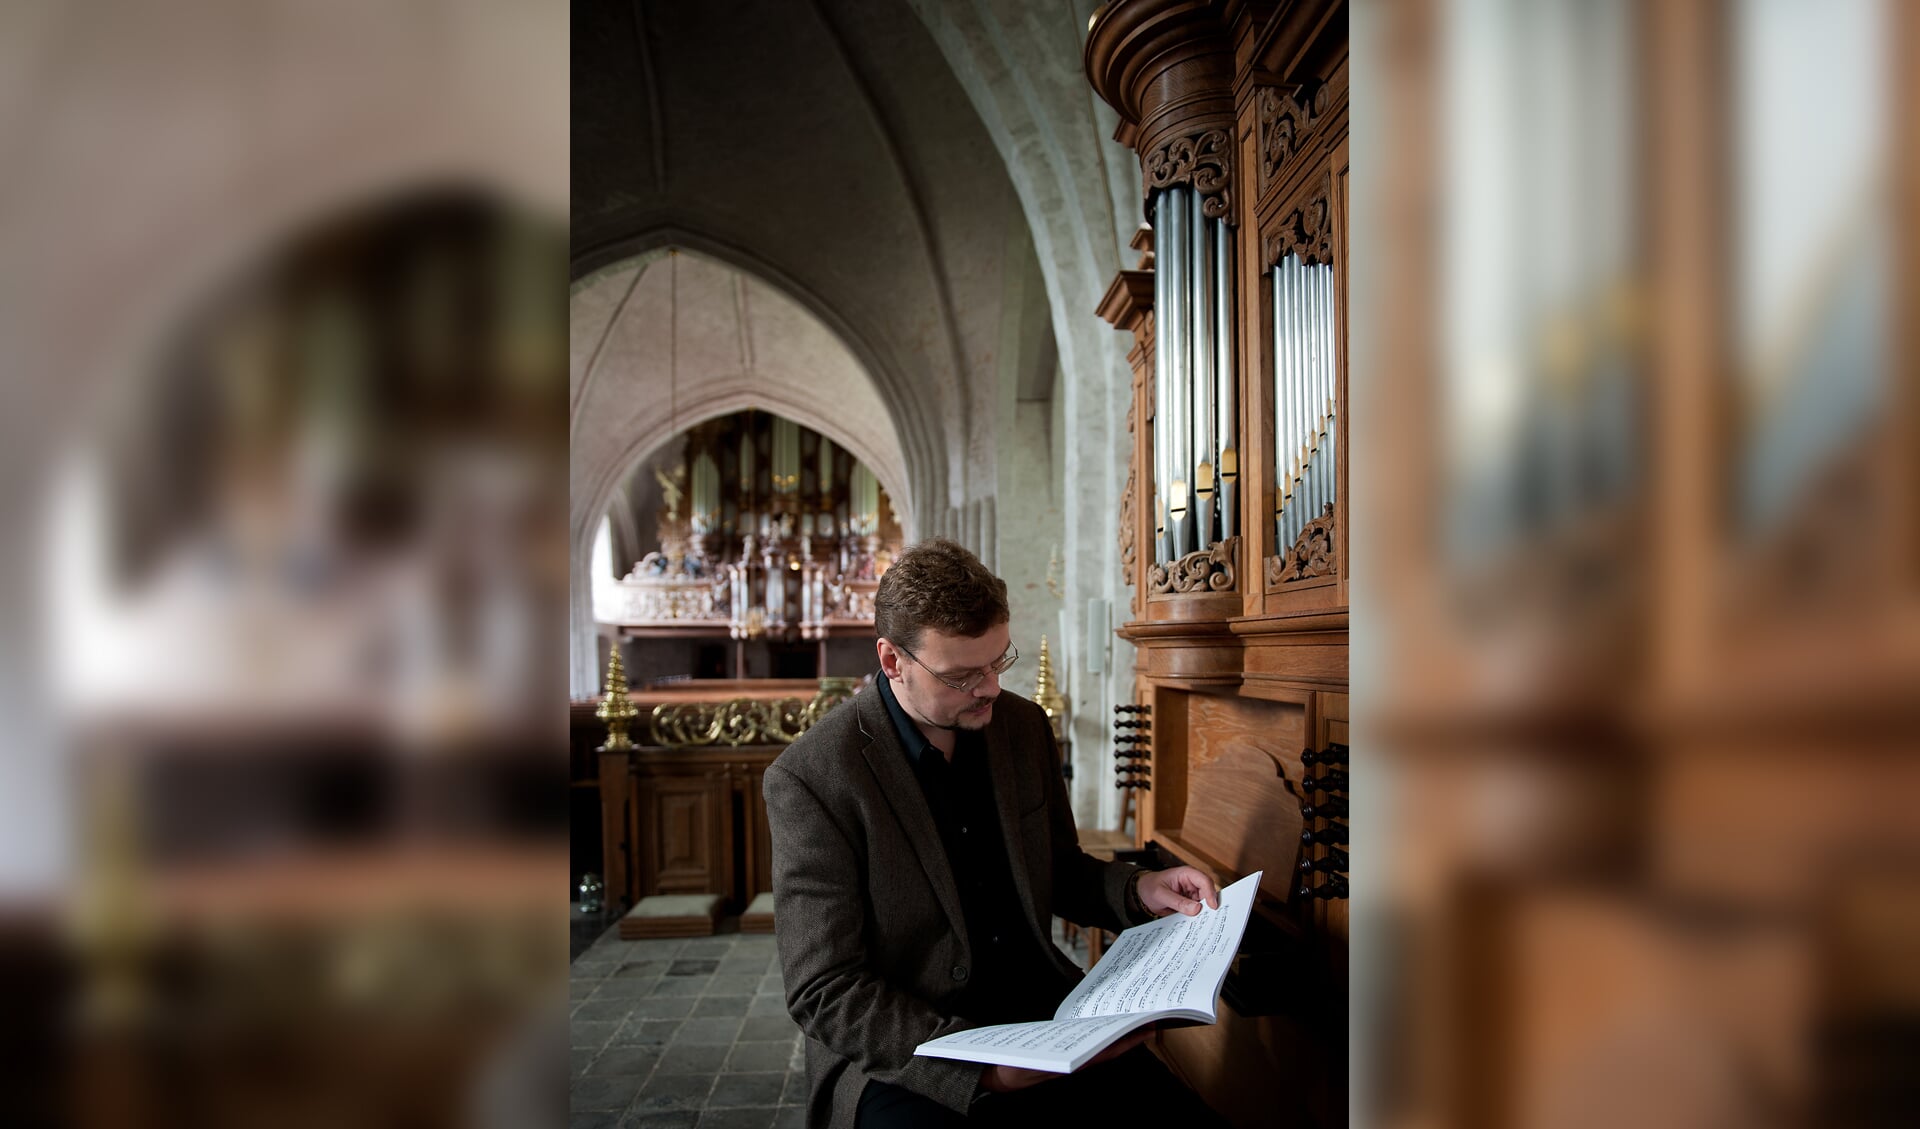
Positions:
(922, 844)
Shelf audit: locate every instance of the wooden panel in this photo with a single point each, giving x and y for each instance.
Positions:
(616, 840)
(1243, 1065)
(1167, 801)
(1241, 813)
(685, 820)
(1241, 809)
(1316, 662)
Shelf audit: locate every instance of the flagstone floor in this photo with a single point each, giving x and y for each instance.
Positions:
(687, 1033)
(683, 1033)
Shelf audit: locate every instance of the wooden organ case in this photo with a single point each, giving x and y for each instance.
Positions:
(1234, 522)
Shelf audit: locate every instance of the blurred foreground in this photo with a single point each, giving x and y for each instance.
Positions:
(284, 572)
(1637, 616)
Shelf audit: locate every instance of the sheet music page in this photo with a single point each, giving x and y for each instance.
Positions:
(1174, 962)
(1050, 1044)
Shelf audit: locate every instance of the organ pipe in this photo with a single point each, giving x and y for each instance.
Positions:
(1306, 406)
(1226, 466)
(1195, 462)
(1164, 274)
(1176, 364)
(1201, 455)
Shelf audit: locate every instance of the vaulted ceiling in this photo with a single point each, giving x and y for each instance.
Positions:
(826, 149)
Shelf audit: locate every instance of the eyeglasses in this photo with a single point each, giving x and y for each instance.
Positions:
(998, 666)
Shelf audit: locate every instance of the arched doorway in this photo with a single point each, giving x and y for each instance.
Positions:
(673, 339)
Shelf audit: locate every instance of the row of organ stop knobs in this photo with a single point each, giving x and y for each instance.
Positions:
(1133, 747)
(1323, 813)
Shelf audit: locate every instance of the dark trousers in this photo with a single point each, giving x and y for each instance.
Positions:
(1134, 1089)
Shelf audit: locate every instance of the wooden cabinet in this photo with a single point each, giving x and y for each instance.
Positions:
(686, 821)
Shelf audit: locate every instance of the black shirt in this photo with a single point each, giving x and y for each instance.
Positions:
(1012, 979)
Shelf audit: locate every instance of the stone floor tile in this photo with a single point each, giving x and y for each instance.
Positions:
(756, 1089)
(591, 1033)
(737, 1118)
(767, 1028)
(673, 1119)
(717, 1030)
(681, 986)
(604, 1091)
(735, 1006)
(767, 1003)
(626, 1060)
(692, 1059)
(790, 1117)
(795, 1091)
(597, 1119)
(673, 1091)
(690, 966)
(759, 1056)
(623, 988)
(599, 1010)
(724, 985)
(663, 1007)
(639, 1032)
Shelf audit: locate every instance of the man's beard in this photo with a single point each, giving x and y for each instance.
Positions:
(980, 720)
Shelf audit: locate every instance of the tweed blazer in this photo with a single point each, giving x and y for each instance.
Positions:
(873, 947)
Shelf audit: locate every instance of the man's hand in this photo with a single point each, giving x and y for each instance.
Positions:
(1006, 1079)
(1179, 890)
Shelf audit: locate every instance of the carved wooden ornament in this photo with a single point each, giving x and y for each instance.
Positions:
(1203, 160)
(1312, 554)
(1209, 570)
(1305, 233)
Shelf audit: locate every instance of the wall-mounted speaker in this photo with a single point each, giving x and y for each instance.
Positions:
(1097, 636)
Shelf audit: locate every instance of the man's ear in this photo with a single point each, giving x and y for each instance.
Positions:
(889, 658)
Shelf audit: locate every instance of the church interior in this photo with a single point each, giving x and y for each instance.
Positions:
(1456, 458)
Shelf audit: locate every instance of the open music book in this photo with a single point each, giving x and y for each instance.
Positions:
(1170, 968)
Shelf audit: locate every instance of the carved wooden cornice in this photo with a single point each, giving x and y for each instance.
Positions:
(1128, 301)
(1208, 570)
(1166, 66)
(1311, 555)
(1305, 232)
(744, 721)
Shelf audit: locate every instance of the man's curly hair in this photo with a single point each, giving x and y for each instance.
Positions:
(940, 585)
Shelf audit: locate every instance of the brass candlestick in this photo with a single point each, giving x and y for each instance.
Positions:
(616, 709)
(1048, 697)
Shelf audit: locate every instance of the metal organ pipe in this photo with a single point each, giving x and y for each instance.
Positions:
(1328, 388)
(1296, 395)
(1200, 460)
(1164, 316)
(1226, 453)
(1179, 391)
(1312, 388)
